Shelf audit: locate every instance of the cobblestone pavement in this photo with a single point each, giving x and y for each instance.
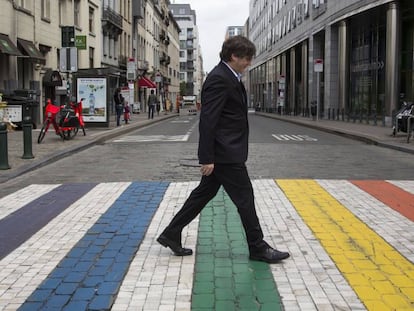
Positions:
(351, 241)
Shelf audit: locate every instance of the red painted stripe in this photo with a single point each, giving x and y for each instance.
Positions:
(391, 195)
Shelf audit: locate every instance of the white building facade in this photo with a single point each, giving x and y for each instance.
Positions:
(191, 72)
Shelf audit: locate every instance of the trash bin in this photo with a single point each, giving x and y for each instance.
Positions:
(32, 101)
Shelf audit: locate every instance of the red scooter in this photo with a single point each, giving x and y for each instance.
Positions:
(66, 120)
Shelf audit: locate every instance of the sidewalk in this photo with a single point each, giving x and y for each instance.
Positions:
(54, 148)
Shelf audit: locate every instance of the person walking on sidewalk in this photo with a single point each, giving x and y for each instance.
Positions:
(222, 153)
(119, 105)
(152, 102)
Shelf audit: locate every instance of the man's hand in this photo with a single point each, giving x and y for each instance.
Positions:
(206, 169)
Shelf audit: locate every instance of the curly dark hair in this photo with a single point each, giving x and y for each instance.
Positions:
(240, 46)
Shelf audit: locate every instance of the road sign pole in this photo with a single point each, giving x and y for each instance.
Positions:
(318, 94)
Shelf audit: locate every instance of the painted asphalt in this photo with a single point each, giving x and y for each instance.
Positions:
(351, 248)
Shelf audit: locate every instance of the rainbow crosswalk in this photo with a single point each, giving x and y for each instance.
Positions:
(92, 247)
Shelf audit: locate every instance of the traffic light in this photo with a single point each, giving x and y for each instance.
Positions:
(68, 36)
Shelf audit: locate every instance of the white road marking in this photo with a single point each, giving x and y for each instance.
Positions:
(147, 138)
(286, 137)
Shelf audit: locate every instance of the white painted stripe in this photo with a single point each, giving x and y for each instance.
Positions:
(309, 279)
(20, 198)
(149, 138)
(23, 270)
(158, 280)
(393, 227)
(406, 185)
(292, 137)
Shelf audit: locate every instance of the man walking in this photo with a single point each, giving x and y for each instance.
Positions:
(152, 102)
(222, 153)
(119, 105)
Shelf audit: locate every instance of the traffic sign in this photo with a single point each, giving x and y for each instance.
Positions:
(318, 65)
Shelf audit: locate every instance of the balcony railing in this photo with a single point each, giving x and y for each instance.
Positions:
(111, 17)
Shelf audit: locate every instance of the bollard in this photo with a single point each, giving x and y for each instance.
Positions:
(27, 138)
(4, 158)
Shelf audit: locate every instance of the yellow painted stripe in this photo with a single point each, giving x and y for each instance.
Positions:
(382, 278)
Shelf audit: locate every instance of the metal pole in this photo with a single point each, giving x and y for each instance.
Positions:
(318, 91)
(27, 138)
(4, 158)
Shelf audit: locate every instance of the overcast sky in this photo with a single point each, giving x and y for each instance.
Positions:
(213, 17)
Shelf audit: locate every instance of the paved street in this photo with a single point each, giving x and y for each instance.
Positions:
(91, 245)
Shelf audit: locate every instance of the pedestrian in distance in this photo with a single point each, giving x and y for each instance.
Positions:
(152, 102)
(222, 153)
(127, 112)
(119, 105)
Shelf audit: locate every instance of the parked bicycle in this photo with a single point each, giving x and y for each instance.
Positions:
(66, 120)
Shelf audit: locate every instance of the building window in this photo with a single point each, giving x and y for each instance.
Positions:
(76, 13)
(317, 3)
(91, 57)
(46, 9)
(61, 11)
(25, 4)
(91, 20)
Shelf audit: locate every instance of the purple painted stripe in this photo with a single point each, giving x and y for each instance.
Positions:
(19, 226)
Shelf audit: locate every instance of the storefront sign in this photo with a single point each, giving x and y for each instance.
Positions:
(80, 42)
(318, 66)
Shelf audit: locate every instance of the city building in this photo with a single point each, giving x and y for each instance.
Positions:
(232, 31)
(191, 72)
(44, 44)
(155, 50)
(343, 59)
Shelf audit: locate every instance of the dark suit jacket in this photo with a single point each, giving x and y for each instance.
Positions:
(224, 128)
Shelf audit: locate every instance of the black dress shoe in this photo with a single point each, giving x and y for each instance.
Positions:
(174, 246)
(269, 255)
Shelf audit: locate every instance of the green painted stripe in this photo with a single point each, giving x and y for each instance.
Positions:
(225, 279)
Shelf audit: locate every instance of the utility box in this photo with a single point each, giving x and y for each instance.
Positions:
(20, 105)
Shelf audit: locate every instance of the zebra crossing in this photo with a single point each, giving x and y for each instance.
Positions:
(92, 247)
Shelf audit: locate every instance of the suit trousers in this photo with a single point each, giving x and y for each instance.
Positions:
(236, 182)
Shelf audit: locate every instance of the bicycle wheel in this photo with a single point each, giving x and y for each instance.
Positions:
(69, 134)
(43, 131)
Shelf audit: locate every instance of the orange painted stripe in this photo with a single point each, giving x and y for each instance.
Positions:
(391, 195)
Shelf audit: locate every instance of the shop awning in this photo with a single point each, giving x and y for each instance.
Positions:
(52, 78)
(145, 82)
(7, 47)
(29, 49)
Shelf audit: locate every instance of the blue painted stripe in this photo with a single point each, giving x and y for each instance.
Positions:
(90, 276)
(19, 226)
